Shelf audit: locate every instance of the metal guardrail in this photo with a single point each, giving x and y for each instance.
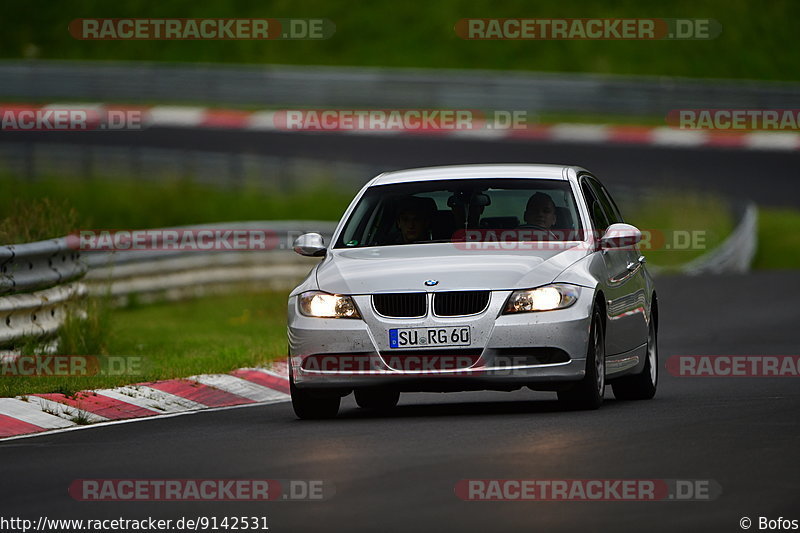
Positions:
(736, 253)
(38, 283)
(52, 271)
(38, 265)
(277, 85)
(83, 161)
(38, 314)
(172, 275)
(41, 280)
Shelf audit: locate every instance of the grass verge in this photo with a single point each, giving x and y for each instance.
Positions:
(778, 239)
(34, 218)
(168, 340)
(57, 206)
(680, 226)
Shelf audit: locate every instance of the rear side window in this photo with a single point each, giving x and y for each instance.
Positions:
(609, 206)
(600, 219)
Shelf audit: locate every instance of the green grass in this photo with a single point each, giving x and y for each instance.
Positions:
(682, 226)
(758, 39)
(28, 219)
(86, 328)
(599, 119)
(778, 239)
(171, 340)
(58, 206)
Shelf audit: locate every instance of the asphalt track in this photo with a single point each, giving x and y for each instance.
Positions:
(398, 472)
(768, 177)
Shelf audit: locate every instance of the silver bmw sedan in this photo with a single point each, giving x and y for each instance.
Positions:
(474, 277)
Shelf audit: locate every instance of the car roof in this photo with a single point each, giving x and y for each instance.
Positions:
(550, 172)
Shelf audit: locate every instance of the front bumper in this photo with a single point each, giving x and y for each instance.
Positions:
(507, 351)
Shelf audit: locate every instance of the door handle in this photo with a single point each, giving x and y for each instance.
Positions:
(642, 260)
(632, 266)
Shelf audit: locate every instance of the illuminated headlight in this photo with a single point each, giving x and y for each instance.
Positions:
(323, 305)
(545, 298)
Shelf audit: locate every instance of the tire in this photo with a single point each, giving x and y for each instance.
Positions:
(310, 406)
(377, 399)
(587, 394)
(641, 386)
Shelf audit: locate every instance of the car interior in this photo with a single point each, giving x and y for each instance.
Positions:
(448, 211)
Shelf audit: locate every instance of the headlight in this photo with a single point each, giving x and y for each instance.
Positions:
(323, 305)
(545, 298)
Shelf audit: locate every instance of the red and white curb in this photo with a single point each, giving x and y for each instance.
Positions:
(38, 413)
(212, 118)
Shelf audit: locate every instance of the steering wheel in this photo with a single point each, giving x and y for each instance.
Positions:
(537, 227)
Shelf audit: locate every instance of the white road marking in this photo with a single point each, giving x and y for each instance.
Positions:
(242, 387)
(674, 137)
(262, 120)
(32, 413)
(74, 427)
(65, 411)
(765, 140)
(176, 116)
(152, 399)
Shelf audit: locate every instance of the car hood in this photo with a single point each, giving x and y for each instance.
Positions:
(407, 267)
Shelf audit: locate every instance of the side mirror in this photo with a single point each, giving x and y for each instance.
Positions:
(620, 236)
(310, 245)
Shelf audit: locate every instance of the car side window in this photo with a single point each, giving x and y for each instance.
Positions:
(596, 212)
(609, 206)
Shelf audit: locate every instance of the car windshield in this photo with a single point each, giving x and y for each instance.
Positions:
(450, 210)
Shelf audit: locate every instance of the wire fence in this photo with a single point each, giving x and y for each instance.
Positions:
(33, 160)
(277, 85)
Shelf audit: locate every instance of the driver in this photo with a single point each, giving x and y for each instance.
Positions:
(414, 216)
(540, 212)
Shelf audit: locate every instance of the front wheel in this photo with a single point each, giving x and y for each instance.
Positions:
(588, 393)
(310, 405)
(641, 386)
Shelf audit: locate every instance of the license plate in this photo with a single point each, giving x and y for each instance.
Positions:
(416, 337)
